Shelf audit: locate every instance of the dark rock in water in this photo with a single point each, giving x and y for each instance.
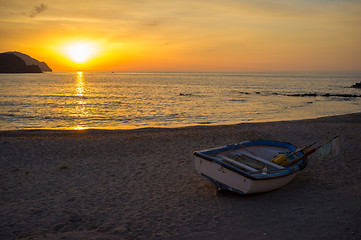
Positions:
(9, 63)
(301, 95)
(356, 85)
(314, 95)
(340, 95)
(309, 95)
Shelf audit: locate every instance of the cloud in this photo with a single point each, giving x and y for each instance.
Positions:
(153, 23)
(37, 10)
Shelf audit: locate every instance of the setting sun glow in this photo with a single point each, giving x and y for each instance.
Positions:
(80, 52)
(186, 35)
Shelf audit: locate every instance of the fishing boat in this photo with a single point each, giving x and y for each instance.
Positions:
(252, 166)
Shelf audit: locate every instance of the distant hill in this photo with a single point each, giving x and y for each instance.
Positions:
(17, 62)
(32, 61)
(10, 63)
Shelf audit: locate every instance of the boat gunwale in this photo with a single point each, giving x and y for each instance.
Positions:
(204, 154)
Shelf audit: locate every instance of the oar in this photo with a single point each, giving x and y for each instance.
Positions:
(303, 156)
(299, 150)
(282, 159)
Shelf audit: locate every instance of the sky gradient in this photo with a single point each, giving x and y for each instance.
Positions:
(187, 35)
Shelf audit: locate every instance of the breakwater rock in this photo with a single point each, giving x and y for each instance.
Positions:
(311, 94)
(356, 85)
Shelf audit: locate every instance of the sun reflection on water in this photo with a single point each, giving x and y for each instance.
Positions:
(80, 107)
(79, 84)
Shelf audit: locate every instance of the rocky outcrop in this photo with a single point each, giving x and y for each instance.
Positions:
(32, 61)
(17, 62)
(356, 85)
(10, 63)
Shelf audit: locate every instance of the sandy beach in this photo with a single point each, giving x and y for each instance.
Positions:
(141, 184)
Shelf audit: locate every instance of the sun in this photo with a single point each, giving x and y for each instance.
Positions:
(80, 52)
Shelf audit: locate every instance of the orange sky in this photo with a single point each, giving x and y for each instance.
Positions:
(187, 35)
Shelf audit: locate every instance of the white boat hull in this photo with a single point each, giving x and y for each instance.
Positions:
(230, 180)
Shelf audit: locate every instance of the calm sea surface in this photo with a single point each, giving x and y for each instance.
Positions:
(134, 100)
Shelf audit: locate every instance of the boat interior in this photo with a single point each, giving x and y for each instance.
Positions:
(252, 159)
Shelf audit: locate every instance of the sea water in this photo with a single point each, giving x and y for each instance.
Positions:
(82, 100)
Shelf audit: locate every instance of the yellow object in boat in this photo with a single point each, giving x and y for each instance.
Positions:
(285, 162)
(279, 159)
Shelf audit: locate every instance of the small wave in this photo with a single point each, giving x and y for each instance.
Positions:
(237, 100)
(5, 115)
(205, 123)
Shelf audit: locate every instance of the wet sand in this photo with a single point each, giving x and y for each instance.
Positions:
(141, 184)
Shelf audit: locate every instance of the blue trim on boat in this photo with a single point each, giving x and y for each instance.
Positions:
(268, 143)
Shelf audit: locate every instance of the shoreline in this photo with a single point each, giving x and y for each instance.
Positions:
(216, 125)
(141, 184)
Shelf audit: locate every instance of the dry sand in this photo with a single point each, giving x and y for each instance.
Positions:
(141, 184)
